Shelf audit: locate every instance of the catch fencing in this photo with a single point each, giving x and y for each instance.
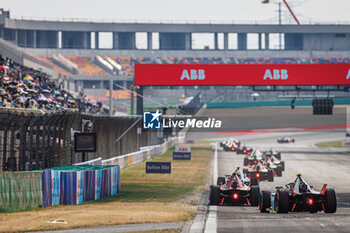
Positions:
(31, 140)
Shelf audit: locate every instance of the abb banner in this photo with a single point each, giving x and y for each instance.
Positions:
(242, 74)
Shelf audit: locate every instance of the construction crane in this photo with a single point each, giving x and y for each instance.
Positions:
(288, 7)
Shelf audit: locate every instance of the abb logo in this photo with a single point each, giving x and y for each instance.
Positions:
(276, 74)
(193, 74)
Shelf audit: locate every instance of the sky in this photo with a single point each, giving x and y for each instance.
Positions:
(182, 11)
(248, 11)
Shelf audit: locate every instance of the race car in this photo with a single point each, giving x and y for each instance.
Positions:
(230, 146)
(244, 178)
(271, 159)
(276, 165)
(235, 189)
(254, 157)
(260, 171)
(223, 143)
(244, 150)
(299, 197)
(285, 140)
(272, 152)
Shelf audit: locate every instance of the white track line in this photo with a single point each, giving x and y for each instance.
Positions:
(210, 225)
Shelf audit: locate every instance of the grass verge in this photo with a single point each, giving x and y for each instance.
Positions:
(332, 144)
(144, 198)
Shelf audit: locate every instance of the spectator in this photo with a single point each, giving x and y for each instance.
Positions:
(24, 87)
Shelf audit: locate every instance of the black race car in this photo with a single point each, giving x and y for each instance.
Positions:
(285, 140)
(230, 146)
(236, 189)
(244, 150)
(299, 197)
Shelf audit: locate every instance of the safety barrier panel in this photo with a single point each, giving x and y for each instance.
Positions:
(72, 185)
(94, 162)
(144, 154)
(20, 190)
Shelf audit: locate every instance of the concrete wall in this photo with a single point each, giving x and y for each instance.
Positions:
(189, 53)
(108, 131)
(77, 35)
(327, 41)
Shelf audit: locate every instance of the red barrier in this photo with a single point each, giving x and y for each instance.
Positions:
(242, 74)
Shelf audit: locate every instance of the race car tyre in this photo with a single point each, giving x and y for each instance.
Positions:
(293, 140)
(265, 201)
(278, 156)
(270, 175)
(279, 171)
(245, 171)
(282, 165)
(282, 201)
(255, 194)
(330, 203)
(214, 194)
(254, 181)
(220, 180)
(245, 162)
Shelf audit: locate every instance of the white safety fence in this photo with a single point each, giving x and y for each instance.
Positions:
(133, 158)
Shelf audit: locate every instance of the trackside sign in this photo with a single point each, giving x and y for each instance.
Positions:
(242, 74)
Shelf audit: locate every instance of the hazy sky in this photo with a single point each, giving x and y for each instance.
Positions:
(141, 10)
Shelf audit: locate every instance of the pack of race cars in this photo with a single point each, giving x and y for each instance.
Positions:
(242, 186)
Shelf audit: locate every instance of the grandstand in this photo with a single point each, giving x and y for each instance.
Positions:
(72, 51)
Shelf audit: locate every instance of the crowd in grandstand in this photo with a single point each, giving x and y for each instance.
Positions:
(24, 87)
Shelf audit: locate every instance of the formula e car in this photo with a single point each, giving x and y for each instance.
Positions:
(299, 197)
(276, 165)
(244, 150)
(260, 171)
(272, 152)
(237, 142)
(254, 157)
(285, 140)
(230, 146)
(236, 189)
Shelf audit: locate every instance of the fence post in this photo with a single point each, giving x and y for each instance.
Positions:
(22, 142)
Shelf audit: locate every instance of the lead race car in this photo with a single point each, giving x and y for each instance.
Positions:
(299, 197)
(285, 140)
(235, 189)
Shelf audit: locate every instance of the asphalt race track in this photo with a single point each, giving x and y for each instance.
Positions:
(317, 165)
